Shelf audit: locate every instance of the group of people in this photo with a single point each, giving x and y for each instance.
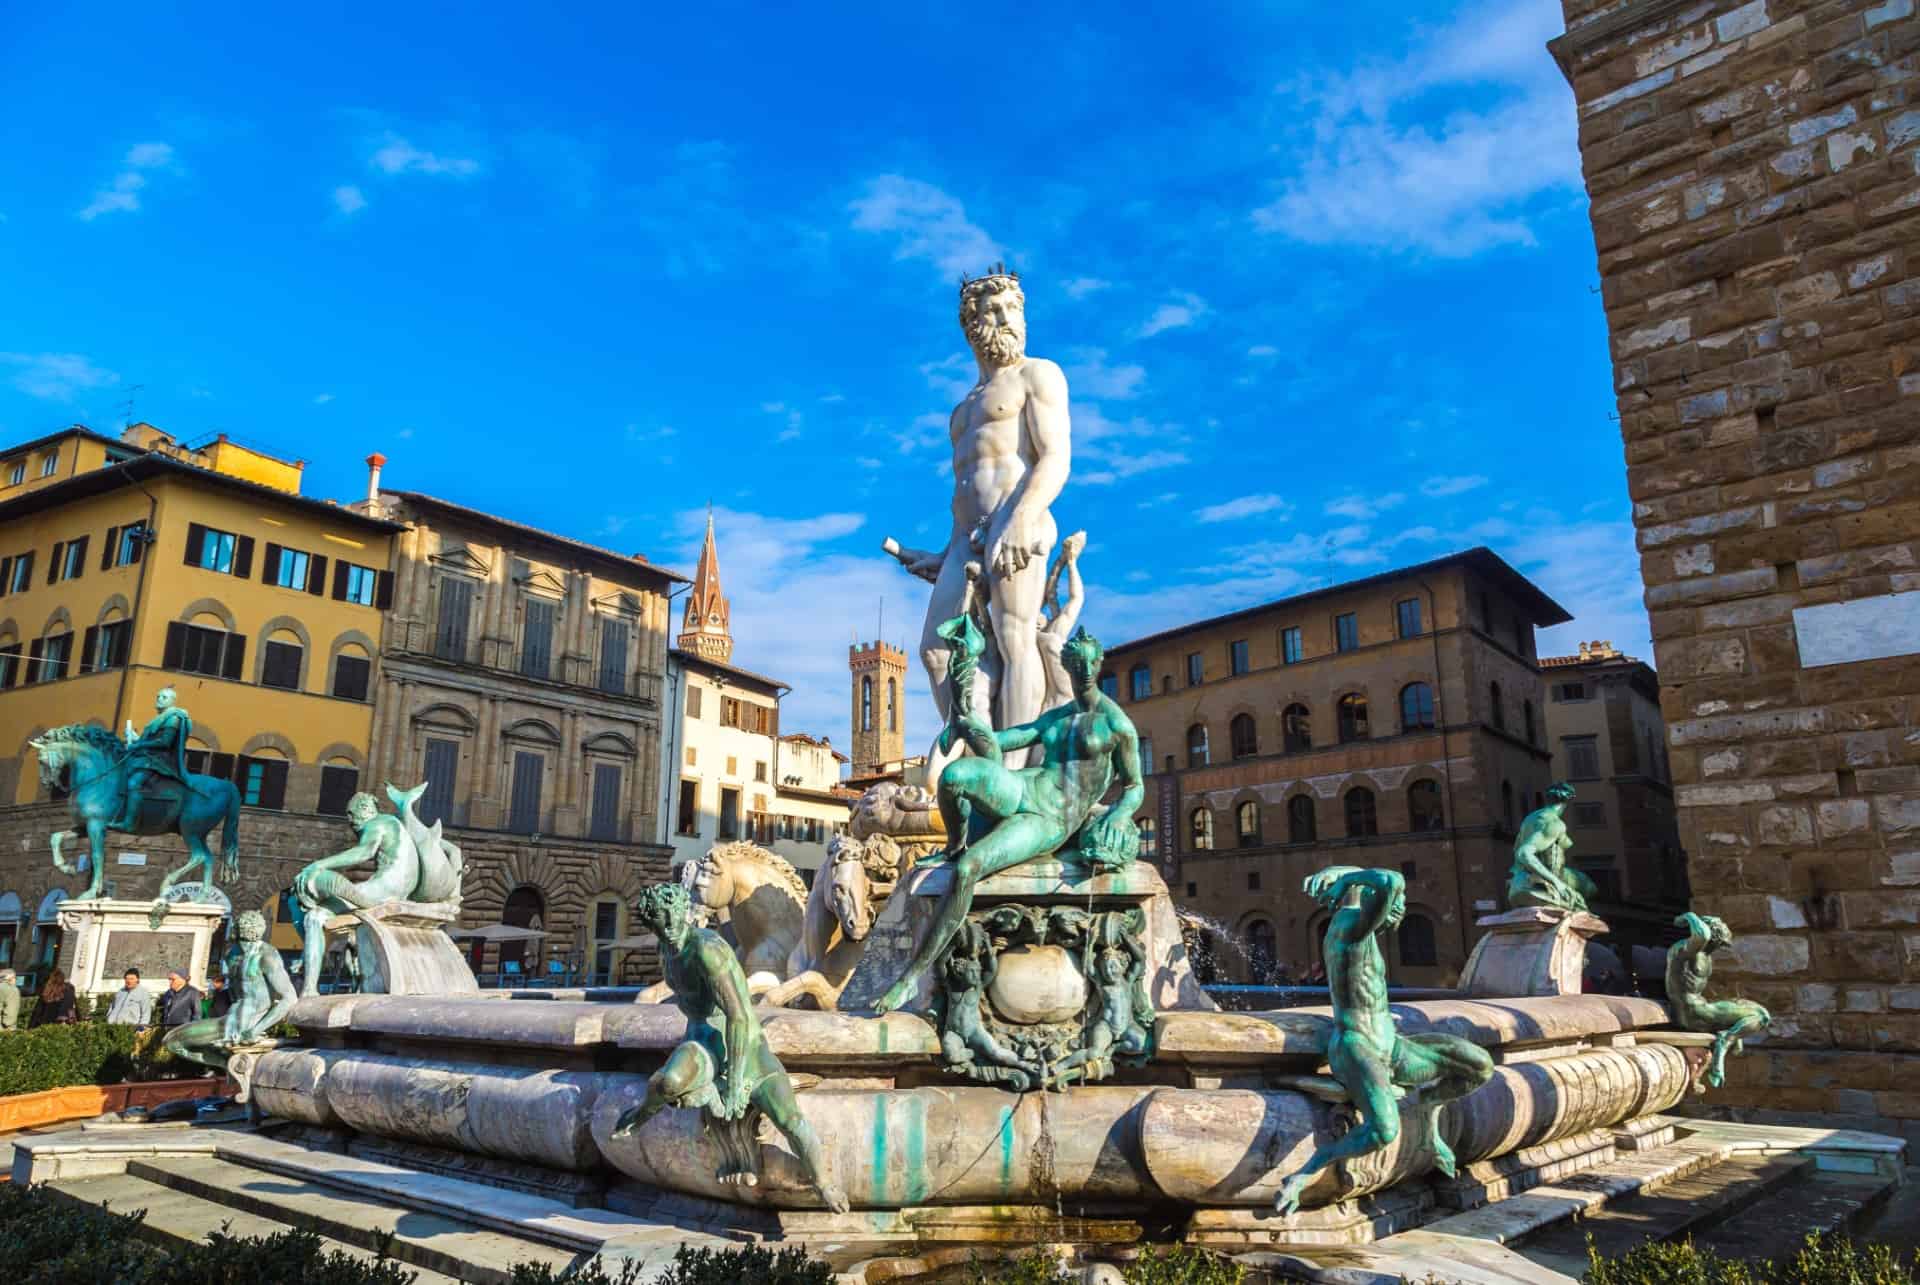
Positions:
(181, 1002)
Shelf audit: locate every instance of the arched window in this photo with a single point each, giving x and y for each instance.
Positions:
(1139, 683)
(1416, 707)
(1423, 806)
(1197, 745)
(1301, 827)
(1244, 736)
(1416, 942)
(1260, 950)
(893, 705)
(1497, 705)
(1247, 823)
(1362, 817)
(1200, 831)
(1506, 802)
(1149, 840)
(1296, 729)
(1353, 717)
(352, 672)
(524, 908)
(1526, 717)
(866, 704)
(282, 657)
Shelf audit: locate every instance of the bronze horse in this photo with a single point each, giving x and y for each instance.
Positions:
(95, 763)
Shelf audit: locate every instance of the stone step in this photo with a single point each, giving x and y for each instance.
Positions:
(1777, 1224)
(178, 1216)
(1673, 1210)
(457, 1248)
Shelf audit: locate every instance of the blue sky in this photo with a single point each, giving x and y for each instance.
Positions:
(1320, 276)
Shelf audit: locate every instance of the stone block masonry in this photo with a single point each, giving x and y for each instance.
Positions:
(1753, 168)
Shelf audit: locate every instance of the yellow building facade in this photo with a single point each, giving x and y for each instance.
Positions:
(127, 566)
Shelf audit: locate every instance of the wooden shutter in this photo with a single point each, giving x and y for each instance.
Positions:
(270, 571)
(450, 635)
(234, 662)
(88, 641)
(337, 785)
(340, 581)
(605, 822)
(33, 659)
(442, 769)
(613, 656)
(351, 677)
(122, 643)
(536, 639)
(220, 765)
(106, 549)
(243, 557)
(137, 549)
(317, 575)
(524, 812)
(273, 784)
(196, 541)
(176, 649)
(78, 551)
(383, 590)
(6, 576)
(53, 563)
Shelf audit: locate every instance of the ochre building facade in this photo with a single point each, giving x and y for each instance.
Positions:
(1394, 721)
(1751, 166)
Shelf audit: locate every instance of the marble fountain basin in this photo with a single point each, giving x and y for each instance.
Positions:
(1210, 1123)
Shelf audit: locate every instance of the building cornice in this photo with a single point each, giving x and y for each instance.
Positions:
(1577, 42)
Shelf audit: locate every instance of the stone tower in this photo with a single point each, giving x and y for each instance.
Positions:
(1756, 208)
(879, 723)
(706, 629)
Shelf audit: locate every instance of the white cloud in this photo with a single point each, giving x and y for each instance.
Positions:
(1498, 130)
(397, 156)
(1593, 570)
(1362, 508)
(322, 399)
(927, 431)
(122, 194)
(953, 376)
(833, 398)
(1183, 311)
(1089, 374)
(1155, 501)
(1081, 287)
(56, 376)
(925, 223)
(773, 408)
(1245, 506)
(348, 199)
(1263, 350)
(1108, 450)
(1457, 485)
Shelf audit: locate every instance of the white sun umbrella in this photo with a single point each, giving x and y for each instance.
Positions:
(497, 933)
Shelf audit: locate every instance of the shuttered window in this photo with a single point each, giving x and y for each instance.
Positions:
(280, 665)
(337, 785)
(536, 639)
(450, 631)
(222, 551)
(604, 822)
(105, 646)
(262, 782)
(613, 656)
(123, 546)
(442, 770)
(351, 675)
(523, 816)
(288, 568)
(50, 656)
(196, 650)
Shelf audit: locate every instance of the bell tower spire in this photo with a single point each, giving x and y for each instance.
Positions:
(706, 629)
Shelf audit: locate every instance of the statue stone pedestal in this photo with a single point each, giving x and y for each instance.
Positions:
(111, 936)
(404, 949)
(1535, 950)
(1047, 881)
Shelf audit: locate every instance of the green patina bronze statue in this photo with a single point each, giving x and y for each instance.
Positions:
(725, 1067)
(1541, 875)
(1087, 746)
(1374, 1064)
(1689, 969)
(262, 995)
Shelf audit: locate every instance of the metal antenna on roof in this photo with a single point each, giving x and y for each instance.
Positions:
(126, 415)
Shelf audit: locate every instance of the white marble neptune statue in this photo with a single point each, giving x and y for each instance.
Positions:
(1011, 453)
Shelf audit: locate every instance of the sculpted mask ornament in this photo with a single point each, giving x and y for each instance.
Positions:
(725, 1068)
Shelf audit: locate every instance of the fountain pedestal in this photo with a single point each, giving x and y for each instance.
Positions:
(1535, 950)
(109, 937)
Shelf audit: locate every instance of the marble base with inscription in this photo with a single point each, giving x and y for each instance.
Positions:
(1535, 950)
(111, 936)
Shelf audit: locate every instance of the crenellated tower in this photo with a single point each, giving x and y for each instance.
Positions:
(879, 675)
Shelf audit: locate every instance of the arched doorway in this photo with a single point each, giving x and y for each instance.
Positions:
(524, 908)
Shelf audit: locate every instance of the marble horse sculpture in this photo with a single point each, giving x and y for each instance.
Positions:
(1689, 969)
(411, 863)
(1087, 746)
(1373, 1064)
(763, 897)
(724, 1068)
(140, 786)
(1541, 875)
(847, 896)
(263, 995)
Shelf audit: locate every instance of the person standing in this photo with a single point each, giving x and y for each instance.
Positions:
(132, 1006)
(219, 996)
(179, 1003)
(56, 1006)
(9, 1000)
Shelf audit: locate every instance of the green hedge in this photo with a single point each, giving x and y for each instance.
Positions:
(1821, 1261)
(61, 1057)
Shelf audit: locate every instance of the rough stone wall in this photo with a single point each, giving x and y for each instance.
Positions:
(1755, 205)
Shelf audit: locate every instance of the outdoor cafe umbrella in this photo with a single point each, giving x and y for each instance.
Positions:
(497, 933)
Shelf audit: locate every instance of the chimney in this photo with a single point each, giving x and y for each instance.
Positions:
(375, 462)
